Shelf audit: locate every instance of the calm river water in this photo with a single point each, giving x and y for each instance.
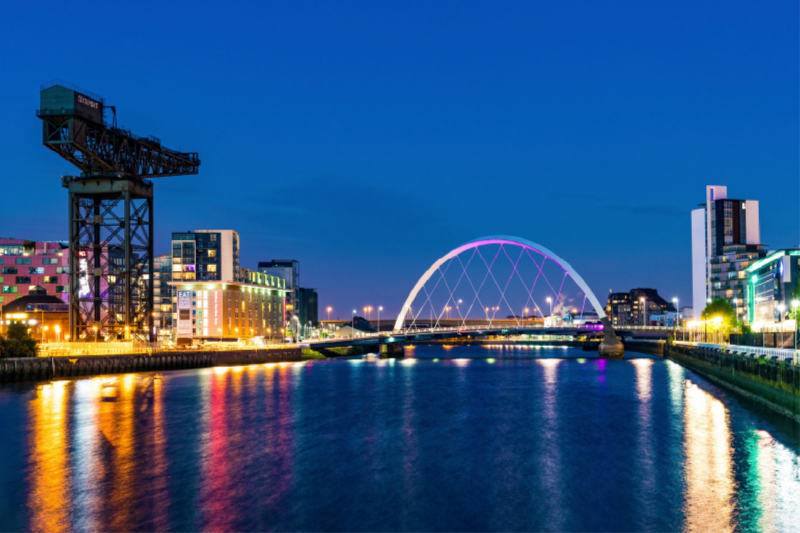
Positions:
(461, 439)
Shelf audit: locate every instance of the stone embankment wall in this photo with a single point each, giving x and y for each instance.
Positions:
(35, 368)
(775, 384)
(649, 348)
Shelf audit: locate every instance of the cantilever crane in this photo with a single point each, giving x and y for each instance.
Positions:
(110, 211)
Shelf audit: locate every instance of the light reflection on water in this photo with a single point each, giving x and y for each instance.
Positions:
(440, 442)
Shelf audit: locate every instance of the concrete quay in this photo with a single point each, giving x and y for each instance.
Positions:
(46, 368)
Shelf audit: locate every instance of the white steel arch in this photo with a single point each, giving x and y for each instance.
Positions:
(500, 239)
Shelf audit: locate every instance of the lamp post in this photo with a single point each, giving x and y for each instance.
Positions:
(44, 328)
(380, 308)
(781, 311)
(643, 310)
(95, 334)
(58, 333)
(329, 313)
(269, 332)
(550, 301)
(353, 325)
(678, 313)
(795, 305)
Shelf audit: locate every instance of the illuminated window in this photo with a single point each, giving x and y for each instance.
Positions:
(212, 268)
(212, 253)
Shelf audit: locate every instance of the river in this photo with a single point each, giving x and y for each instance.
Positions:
(448, 439)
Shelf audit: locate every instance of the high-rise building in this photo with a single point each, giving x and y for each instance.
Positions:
(725, 241)
(308, 310)
(213, 296)
(162, 294)
(26, 265)
(289, 271)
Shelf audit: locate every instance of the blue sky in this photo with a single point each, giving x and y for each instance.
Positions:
(366, 139)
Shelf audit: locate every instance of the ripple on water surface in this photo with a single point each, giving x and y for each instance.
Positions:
(456, 439)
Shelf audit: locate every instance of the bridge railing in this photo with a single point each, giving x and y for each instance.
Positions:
(782, 354)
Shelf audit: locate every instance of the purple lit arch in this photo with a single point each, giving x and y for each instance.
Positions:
(501, 240)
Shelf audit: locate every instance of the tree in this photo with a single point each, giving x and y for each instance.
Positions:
(720, 308)
(17, 342)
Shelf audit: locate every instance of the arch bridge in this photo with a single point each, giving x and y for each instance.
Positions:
(510, 284)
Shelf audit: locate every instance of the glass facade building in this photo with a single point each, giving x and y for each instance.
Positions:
(772, 284)
(26, 265)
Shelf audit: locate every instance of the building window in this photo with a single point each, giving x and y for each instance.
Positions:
(10, 270)
(9, 290)
(23, 261)
(61, 288)
(212, 268)
(50, 279)
(62, 270)
(50, 261)
(22, 280)
(35, 270)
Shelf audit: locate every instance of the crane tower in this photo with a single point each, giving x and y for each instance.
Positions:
(110, 211)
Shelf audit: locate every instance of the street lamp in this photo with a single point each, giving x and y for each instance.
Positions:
(380, 308)
(781, 311)
(525, 314)
(678, 314)
(95, 334)
(550, 301)
(44, 328)
(58, 333)
(353, 325)
(329, 313)
(643, 309)
(795, 305)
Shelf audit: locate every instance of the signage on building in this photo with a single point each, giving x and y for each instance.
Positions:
(88, 102)
(184, 313)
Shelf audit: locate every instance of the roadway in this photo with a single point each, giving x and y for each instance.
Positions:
(472, 332)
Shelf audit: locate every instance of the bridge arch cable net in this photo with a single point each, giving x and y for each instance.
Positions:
(497, 278)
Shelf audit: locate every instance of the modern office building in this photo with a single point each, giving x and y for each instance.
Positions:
(289, 271)
(639, 307)
(772, 284)
(213, 310)
(27, 265)
(307, 306)
(725, 241)
(214, 297)
(162, 295)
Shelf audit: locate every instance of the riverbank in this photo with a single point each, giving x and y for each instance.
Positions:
(39, 368)
(775, 384)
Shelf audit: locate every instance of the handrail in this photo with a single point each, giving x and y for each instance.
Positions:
(783, 354)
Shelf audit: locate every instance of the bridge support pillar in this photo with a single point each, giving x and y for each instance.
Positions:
(392, 350)
(610, 347)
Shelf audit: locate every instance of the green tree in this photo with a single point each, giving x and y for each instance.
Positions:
(17, 342)
(719, 308)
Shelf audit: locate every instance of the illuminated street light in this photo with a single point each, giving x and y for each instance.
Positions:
(380, 308)
(550, 301)
(795, 305)
(329, 313)
(678, 311)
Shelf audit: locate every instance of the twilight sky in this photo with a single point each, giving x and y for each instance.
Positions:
(367, 139)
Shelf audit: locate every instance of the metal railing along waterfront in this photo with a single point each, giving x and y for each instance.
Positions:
(56, 349)
(780, 354)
